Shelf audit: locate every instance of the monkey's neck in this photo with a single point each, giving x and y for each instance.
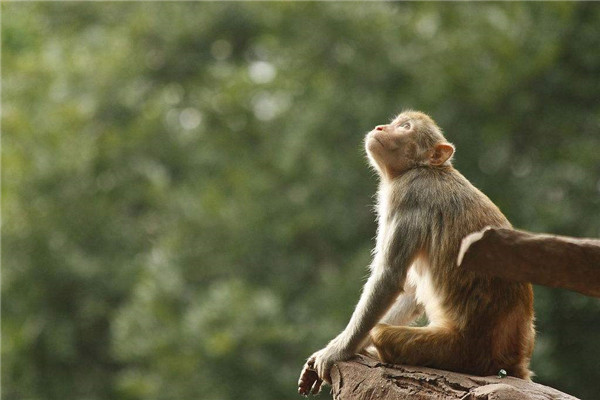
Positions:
(389, 177)
(389, 174)
(391, 191)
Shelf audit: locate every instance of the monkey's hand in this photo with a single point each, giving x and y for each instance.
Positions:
(318, 367)
(309, 382)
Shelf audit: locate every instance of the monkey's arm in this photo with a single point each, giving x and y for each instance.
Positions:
(398, 244)
(396, 248)
(380, 292)
(378, 295)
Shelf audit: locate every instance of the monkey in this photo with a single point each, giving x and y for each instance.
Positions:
(425, 207)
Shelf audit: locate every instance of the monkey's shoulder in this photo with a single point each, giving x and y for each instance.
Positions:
(433, 186)
(444, 192)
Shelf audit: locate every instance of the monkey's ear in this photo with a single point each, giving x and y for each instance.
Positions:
(441, 153)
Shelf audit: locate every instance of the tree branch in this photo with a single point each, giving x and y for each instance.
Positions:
(549, 260)
(364, 378)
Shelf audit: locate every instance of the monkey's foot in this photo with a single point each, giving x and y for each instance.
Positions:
(309, 382)
(370, 351)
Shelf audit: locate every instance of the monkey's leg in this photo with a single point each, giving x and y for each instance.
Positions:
(420, 346)
(404, 311)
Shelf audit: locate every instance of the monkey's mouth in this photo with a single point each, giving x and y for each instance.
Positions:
(380, 142)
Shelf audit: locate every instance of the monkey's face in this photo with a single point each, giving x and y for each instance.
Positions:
(392, 148)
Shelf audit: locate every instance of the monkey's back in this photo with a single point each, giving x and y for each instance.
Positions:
(494, 316)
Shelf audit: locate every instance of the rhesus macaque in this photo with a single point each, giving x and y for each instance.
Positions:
(477, 325)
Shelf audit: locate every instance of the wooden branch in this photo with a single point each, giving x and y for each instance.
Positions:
(549, 260)
(364, 378)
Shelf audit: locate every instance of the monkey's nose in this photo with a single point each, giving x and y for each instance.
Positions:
(379, 127)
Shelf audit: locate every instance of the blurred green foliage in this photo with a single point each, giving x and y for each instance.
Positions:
(187, 207)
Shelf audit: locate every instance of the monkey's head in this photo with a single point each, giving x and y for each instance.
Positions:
(411, 140)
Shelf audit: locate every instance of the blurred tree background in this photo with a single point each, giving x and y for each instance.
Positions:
(186, 202)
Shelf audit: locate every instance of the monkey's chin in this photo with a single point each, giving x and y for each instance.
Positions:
(373, 144)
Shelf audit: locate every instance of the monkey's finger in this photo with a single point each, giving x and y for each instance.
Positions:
(323, 371)
(302, 384)
(316, 387)
(304, 388)
(327, 378)
(302, 376)
(307, 379)
(302, 391)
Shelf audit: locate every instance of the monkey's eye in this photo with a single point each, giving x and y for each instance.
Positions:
(406, 125)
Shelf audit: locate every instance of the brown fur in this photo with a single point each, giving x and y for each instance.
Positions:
(425, 208)
(488, 322)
